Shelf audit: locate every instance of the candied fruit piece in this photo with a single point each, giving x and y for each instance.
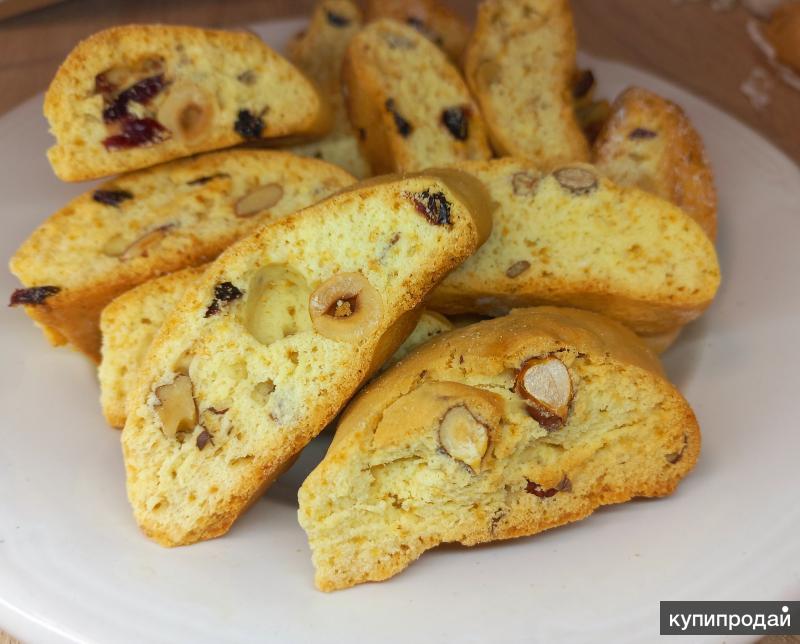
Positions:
(35, 295)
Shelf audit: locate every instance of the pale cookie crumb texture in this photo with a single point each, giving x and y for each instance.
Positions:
(263, 351)
(408, 103)
(133, 96)
(155, 221)
(572, 237)
(520, 64)
(494, 431)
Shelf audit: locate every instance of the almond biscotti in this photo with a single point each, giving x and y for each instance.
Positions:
(133, 96)
(408, 102)
(319, 51)
(649, 142)
(573, 238)
(498, 430)
(264, 350)
(153, 222)
(129, 324)
(520, 65)
(434, 20)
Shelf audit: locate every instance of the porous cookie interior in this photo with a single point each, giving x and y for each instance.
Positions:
(166, 218)
(457, 455)
(426, 105)
(280, 332)
(520, 62)
(130, 90)
(588, 244)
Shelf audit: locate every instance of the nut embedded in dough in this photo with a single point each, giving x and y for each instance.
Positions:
(464, 437)
(346, 307)
(545, 385)
(176, 409)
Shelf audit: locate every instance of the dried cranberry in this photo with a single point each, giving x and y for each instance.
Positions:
(111, 197)
(433, 206)
(456, 119)
(34, 296)
(642, 133)
(336, 20)
(136, 133)
(203, 439)
(223, 292)
(141, 92)
(404, 128)
(201, 181)
(582, 83)
(248, 125)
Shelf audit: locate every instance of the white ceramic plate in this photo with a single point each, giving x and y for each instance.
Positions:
(74, 567)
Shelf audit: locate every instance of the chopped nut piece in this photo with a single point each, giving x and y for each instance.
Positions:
(261, 198)
(203, 439)
(464, 437)
(578, 181)
(201, 181)
(111, 197)
(346, 307)
(517, 268)
(545, 385)
(532, 487)
(642, 133)
(176, 409)
(187, 112)
(248, 77)
(524, 183)
(277, 304)
(118, 246)
(674, 457)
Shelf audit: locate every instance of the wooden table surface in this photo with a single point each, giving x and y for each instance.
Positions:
(706, 51)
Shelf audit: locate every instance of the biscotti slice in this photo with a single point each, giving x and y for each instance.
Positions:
(319, 51)
(409, 101)
(574, 238)
(649, 142)
(520, 65)
(434, 20)
(152, 222)
(498, 430)
(133, 96)
(265, 349)
(129, 324)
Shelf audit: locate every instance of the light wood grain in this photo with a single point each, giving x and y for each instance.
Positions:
(708, 52)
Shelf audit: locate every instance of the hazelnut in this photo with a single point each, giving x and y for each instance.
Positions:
(346, 307)
(118, 246)
(262, 198)
(176, 406)
(464, 437)
(545, 385)
(187, 111)
(575, 179)
(277, 300)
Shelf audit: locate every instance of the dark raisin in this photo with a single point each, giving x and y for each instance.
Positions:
(227, 292)
(336, 20)
(201, 181)
(203, 439)
(223, 292)
(362, 134)
(111, 197)
(547, 420)
(424, 29)
(141, 92)
(642, 133)
(583, 82)
(35, 295)
(136, 133)
(248, 125)
(404, 128)
(456, 119)
(433, 206)
(537, 490)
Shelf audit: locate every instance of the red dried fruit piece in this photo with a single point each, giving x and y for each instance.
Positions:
(111, 197)
(136, 133)
(582, 83)
(223, 292)
(433, 206)
(248, 125)
(141, 92)
(404, 128)
(564, 485)
(642, 133)
(34, 296)
(456, 120)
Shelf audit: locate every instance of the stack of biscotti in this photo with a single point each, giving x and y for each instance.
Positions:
(237, 300)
